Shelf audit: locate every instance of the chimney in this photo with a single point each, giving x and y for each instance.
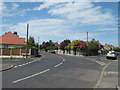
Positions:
(16, 33)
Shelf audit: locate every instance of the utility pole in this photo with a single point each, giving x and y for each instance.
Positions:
(27, 40)
(87, 44)
(38, 45)
(87, 38)
(38, 40)
(50, 45)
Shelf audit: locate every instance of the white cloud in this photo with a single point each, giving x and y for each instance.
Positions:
(85, 13)
(9, 11)
(5, 11)
(23, 12)
(2, 7)
(45, 5)
(79, 12)
(106, 29)
(60, 0)
(15, 6)
(48, 29)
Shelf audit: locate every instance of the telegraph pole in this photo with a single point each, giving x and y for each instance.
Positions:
(38, 44)
(87, 38)
(27, 40)
(38, 40)
(87, 44)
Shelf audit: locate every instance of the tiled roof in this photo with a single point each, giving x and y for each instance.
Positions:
(11, 38)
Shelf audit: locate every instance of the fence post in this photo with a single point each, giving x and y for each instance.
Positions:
(1, 52)
(20, 52)
(11, 52)
(30, 51)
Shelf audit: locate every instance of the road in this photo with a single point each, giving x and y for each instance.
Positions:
(53, 71)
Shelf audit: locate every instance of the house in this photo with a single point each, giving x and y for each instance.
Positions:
(11, 40)
(57, 45)
(108, 47)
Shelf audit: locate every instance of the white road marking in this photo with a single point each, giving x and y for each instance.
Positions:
(59, 64)
(99, 81)
(110, 72)
(25, 64)
(30, 76)
(101, 63)
(15, 66)
(19, 65)
(63, 60)
(60, 57)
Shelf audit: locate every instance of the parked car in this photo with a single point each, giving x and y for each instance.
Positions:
(111, 55)
(37, 55)
(52, 51)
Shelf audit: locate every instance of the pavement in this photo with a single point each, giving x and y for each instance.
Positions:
(60, 71)
(110, 77)
(6, 66)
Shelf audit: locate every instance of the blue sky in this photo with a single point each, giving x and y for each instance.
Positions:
(58, 21)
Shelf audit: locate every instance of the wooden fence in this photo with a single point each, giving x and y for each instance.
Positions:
(17, 52)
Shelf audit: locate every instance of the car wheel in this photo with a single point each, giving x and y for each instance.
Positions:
(106, 57)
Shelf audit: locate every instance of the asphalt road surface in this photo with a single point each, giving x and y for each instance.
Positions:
(53, 71)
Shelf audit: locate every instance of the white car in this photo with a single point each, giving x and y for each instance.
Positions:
(111, 55)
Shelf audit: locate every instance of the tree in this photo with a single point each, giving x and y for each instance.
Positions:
(48, 46)
(64, 44)
(117, 49)
(78, 45)
(70, 47)
(36, 45)
(31, 42)
(93, 47)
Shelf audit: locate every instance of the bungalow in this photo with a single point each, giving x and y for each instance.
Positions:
(11, 40)
(108, 47)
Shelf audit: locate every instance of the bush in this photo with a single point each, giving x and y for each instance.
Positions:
(93, 48)
(117, 49)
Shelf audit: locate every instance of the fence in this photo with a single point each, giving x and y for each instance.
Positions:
(72, 52)
(18, 52)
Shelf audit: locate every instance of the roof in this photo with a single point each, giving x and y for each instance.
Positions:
(11, 38)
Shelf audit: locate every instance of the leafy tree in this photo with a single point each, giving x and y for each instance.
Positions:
(31, 42)
(117, 49)
(36, 45)
(64, 44)
(48, 46)
(93, 47)
(77, 45)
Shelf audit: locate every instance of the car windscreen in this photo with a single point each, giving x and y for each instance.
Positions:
(111, 52)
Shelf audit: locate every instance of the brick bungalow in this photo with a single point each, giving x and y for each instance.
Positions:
(11, 40)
